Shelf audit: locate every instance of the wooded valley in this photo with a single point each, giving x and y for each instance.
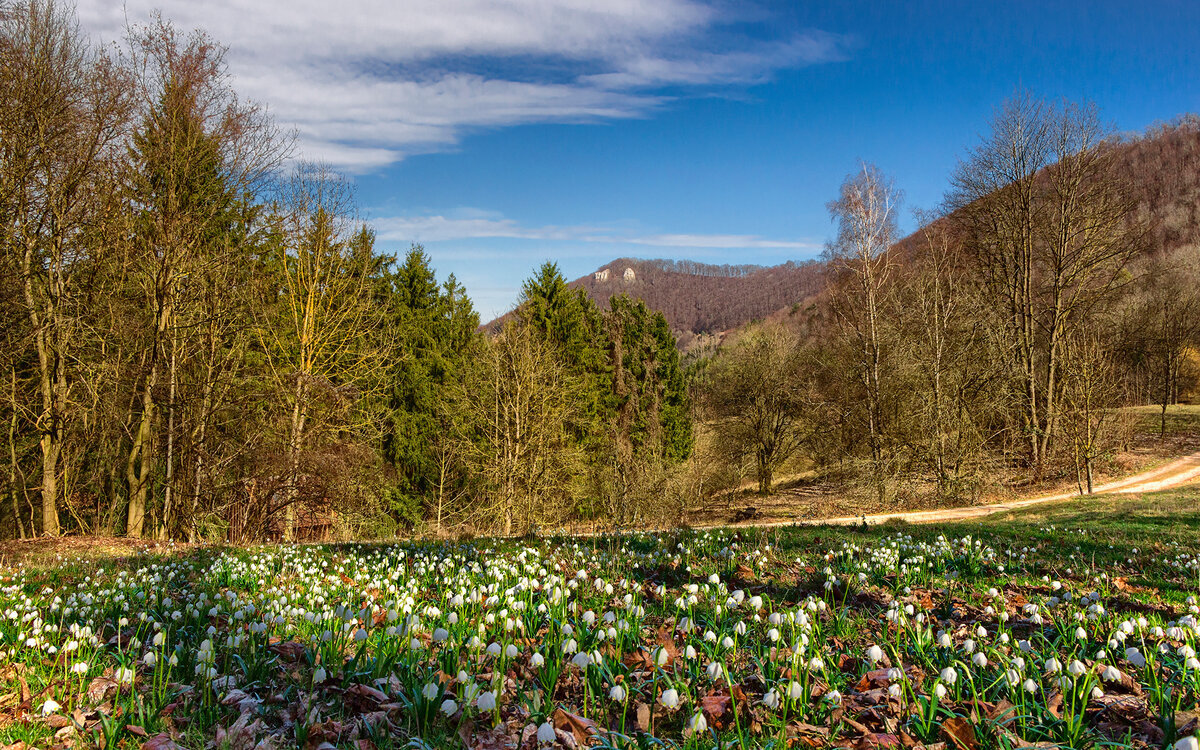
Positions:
(201, 341)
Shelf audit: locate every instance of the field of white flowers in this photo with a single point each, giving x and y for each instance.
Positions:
(910, 638)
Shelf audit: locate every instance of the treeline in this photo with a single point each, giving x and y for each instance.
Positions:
(696, 268)
(198, 340)
(997, 343)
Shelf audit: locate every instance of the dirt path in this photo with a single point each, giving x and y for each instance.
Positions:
(1176, 473)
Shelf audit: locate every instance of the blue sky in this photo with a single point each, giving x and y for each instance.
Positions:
(503, 134)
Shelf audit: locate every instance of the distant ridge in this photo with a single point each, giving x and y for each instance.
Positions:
(700, 298)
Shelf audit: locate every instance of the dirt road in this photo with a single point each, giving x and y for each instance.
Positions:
(1176, 473)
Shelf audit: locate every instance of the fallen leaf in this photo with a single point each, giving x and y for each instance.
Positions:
(161, 741)
(643, 716)
(583, 730)
(99, 688)
(715, 707)
(959, 733)
(289, 650)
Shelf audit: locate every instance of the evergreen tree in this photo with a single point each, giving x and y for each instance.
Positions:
(435, 327)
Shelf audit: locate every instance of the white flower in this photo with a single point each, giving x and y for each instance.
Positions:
(795, 690)
(486, 701)
(1111, 674)
(617, 693)
(319, 675)
(536, 660)
(582, 660)
(431, 690)
(1188, 743)
(440, 634)
(79, 667)
(939, 690)
(979, 660)
(546, 733)
(771, 699)
(1134, 657)
(669, 698)
(875, 654)
(449, 707)
(949, 676)
(511, 651)
(714, 671)
(49, 707)
(698, 723)
(1077, 668)
(1030, 686)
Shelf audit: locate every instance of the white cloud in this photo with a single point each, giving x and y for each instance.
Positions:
(469, 224)
(366, 82)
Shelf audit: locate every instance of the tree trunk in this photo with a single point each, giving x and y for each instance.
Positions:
(169, 480)
(299, 415)
(12, 466)
(137, 465)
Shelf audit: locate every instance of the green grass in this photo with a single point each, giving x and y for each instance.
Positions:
(1182, 419)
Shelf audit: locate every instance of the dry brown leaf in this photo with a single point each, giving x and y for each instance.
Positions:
(643, 716)
(959, 733)
(161, 741)
(99, 688)
(289, 650)
(715, 707)
(583, 730)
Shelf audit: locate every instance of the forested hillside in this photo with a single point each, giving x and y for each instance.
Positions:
(700, 298)
(199, 338)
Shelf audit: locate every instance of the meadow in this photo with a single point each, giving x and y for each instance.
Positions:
(1071, 624)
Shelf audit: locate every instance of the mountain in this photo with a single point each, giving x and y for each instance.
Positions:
(698, 298)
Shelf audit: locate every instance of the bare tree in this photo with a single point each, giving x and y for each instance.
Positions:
(61, 125)
(859, 257)
(1040, 207)
(314, 336)
(1091, 395)
(197, 154)
(518, 405)
(758, 398)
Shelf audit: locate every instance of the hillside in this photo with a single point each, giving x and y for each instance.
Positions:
(698, 298)
(1161, 168)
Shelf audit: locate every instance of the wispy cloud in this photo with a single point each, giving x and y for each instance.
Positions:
(367, 82)
(467, 224)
